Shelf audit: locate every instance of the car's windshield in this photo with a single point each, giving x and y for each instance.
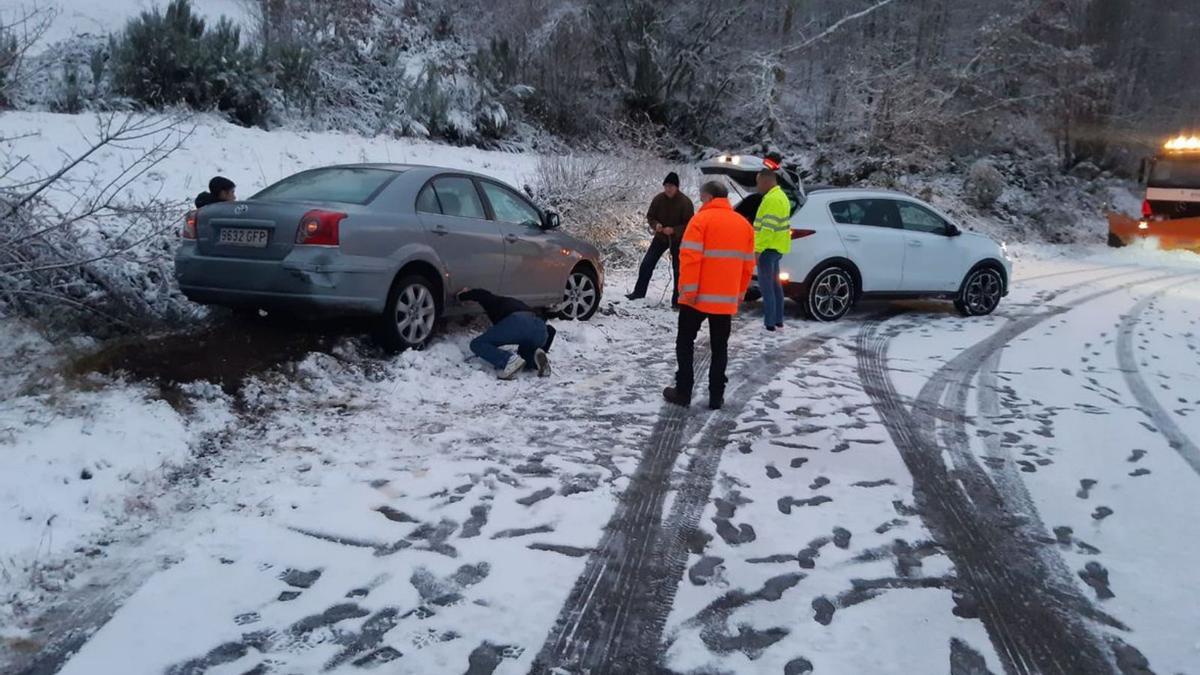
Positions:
(1175, 173)
(344, 185)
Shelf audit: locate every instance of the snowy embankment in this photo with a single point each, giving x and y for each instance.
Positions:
(252, 158)
(80, 19)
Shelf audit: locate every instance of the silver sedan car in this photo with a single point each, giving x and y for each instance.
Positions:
(393, 241)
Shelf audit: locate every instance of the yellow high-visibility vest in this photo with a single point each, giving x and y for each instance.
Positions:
(772, 223)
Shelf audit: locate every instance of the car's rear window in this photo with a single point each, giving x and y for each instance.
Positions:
(344, 185)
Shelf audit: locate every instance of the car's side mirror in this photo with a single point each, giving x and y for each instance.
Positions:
(551, 221)
(952, 230)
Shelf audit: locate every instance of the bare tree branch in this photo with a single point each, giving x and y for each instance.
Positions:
(835, 27)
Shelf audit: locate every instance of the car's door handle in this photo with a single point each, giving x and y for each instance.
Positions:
(914, 242)
(511, 238)
(852, 237)
(440, 230)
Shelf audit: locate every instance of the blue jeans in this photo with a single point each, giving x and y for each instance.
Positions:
(523, 329)
(772, 289)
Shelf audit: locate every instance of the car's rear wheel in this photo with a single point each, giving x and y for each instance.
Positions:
(411, 314)
(1114, 241)
(830, 295)
(981, 292)
(581, 297)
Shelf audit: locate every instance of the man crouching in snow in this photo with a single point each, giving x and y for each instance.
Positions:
(513, 323)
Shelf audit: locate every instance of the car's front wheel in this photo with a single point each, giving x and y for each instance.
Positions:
(830, 294)
(410, 315)
(581, 297)
(980, 293)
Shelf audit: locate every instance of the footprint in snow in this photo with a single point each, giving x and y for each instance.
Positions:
(823, 611)
(1085, 488)
(1101, 513)
(1095, 575)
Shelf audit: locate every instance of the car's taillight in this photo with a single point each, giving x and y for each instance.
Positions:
(1146, 210)
(319, 228)
(189, 225)
(800, 234)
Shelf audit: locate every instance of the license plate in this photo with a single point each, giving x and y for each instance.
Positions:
(243, 236)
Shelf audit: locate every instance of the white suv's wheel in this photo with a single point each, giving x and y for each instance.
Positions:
(980, 293)
(830, 295)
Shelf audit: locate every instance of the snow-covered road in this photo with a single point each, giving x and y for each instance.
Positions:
(906, 491)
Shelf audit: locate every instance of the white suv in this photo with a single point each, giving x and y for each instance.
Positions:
(849, 244)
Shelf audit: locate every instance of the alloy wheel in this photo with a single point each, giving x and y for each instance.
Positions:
(580, 296)
(831, 295)
(983, 292)
(415, 314)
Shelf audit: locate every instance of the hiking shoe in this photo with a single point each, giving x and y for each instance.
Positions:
(716, 402)
(542, 360)
(515, 364)
(676, 397)
(634, 296)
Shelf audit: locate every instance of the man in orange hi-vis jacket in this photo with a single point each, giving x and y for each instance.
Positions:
(716, 261)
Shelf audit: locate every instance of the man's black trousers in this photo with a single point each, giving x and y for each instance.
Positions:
(719, 326)
(658, 246)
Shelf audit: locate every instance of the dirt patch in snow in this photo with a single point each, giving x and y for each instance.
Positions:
(224, 352)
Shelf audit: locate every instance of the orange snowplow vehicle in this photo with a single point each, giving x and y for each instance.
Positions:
(1171, 207)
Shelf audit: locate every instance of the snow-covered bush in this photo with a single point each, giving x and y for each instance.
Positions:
(984, 184)
(9, 53)
(377, 67)
(603, 199)
(172, 57)
(104, 265)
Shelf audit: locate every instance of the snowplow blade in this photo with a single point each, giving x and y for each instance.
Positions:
(1182, 233)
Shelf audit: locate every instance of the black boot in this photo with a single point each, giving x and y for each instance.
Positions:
(673, 395)
(716, 401)
(634, 296)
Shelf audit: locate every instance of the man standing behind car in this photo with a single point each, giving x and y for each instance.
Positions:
(513, 323)
(716, 262)
(220, 189)
(668, 217)
(772, 241)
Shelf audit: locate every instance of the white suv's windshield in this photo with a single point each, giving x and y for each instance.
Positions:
(1175, 173)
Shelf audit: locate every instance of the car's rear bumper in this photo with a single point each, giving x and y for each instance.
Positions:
(307, 281)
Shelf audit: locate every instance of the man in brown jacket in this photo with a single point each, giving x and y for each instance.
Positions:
(667, 217)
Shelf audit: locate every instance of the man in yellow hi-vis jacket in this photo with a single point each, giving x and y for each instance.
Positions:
(772, 240)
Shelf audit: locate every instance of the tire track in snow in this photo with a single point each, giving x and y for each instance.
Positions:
(613, 619)
(1159, 416)
(1030, 607)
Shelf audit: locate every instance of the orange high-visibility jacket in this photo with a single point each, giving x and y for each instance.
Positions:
(716, 259)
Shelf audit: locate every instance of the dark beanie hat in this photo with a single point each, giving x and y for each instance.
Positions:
(220, 184)
(671, 179)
